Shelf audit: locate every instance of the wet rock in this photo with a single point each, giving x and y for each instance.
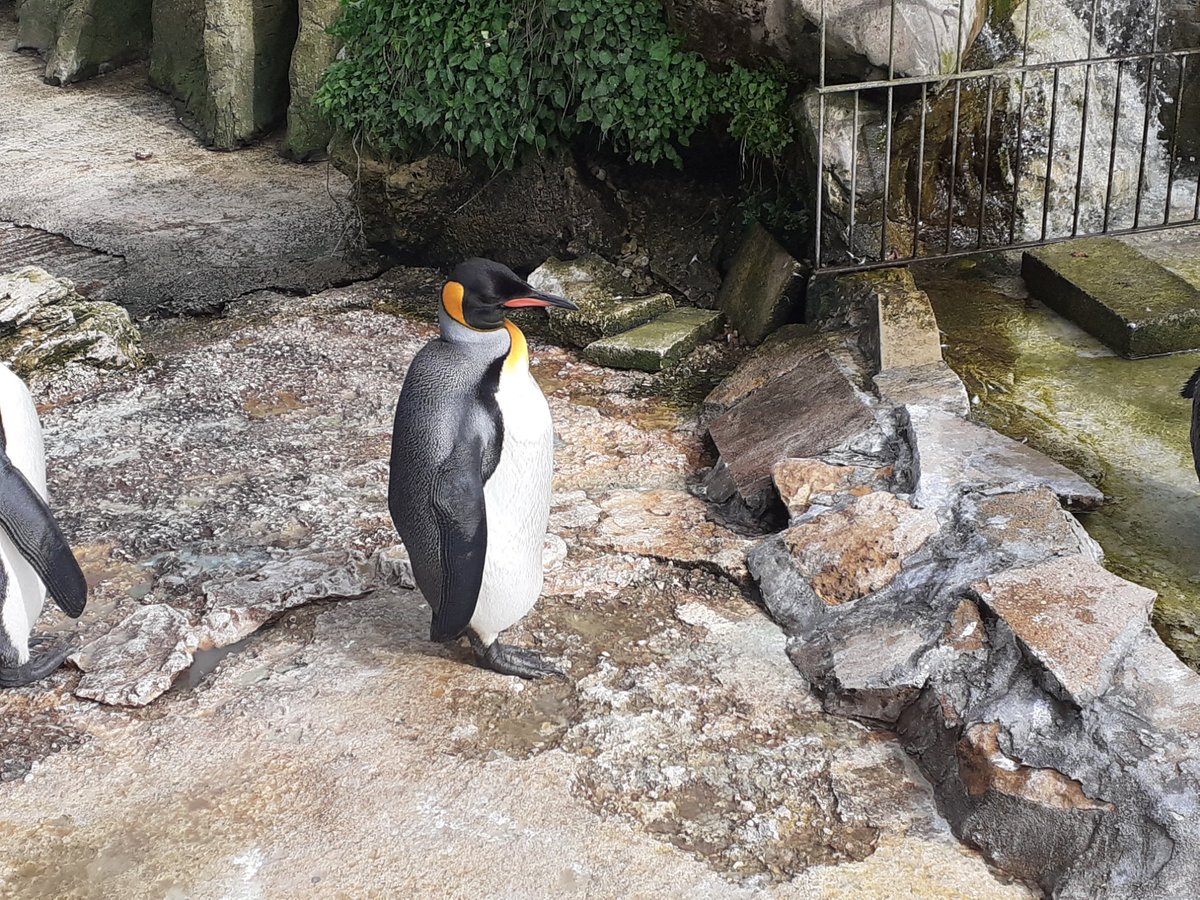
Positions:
(807, 412)
(1076, 618)
(83, 38)
(763, 287)
(952, 455)
(781, 352)
(608, 303)
(933, 386)
(659, 344)
(1116, 294)
(46, 325)
(907, 331)
(308, 132)
(226, 62)
(857, 550)
(1024, 527)
(136, 661)
(669, 525)
(804, 483)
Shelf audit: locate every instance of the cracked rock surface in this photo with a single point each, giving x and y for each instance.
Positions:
(240, 481)
(106, 164)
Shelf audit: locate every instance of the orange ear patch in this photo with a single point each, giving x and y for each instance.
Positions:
(518, 353)
(452, 301)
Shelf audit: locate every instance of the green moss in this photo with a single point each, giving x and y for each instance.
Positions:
(659, 344)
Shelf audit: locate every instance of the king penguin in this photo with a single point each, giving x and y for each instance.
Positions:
(1191, 391)
(34, 555)
(472, 457)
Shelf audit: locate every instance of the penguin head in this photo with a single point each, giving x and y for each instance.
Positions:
(480, 293)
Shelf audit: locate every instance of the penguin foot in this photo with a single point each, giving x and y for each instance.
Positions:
(45, 656)
(509, 660)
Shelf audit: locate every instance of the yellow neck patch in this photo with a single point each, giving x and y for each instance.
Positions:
(452, 301)
(518, 354)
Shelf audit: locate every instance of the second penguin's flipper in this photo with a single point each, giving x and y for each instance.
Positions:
(458, 507)
(30, 524)
(45, 658)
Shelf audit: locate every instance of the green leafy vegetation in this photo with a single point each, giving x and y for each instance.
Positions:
(491, 79)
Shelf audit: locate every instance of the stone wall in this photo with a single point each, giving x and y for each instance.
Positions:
(83, 38)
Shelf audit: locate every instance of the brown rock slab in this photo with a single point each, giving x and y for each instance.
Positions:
(849, 553)
(136, 661)
(802, 413)
(779, 354)
(1072, 615)
(953, 455)
(763, 285)
(804, 482)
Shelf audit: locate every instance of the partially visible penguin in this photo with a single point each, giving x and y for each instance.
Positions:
(34, 556)
(472, 456)
(1191, 390)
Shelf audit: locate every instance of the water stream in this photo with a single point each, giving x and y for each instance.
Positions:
(1036, 377)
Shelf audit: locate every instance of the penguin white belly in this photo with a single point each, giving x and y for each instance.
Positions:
(517, 499)
(23, 443)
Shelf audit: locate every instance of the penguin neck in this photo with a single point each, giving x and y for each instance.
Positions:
(517, 359)
(507, 341)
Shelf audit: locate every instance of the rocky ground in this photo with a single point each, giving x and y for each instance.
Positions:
(336, 750)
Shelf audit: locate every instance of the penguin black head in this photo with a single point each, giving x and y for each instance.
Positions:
(480, 292)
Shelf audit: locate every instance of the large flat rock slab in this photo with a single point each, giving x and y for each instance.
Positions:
(658, 344)
(1118, 295)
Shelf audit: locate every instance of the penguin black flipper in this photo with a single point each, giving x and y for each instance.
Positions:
(30, 524)
(461, 515)
(1191, 391)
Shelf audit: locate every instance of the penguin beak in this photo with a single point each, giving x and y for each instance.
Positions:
(537, 298)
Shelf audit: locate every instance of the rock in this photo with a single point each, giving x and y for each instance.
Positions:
(781, 352)
(393, 567)
(952, 455)
(45, 324)
(238, 606)
(136, 661)
(803, 483)
(308, 132)
(607, 301)
(859, 549)
(748, 30)
(83, 38)
(669, 525)
(226, 62)
(907, 331)
(933, 386)
(1076, 618)
(441, 211)
(763, 286)
(660, 343)
(1023, 528)
(805, 412)
(1131, 303)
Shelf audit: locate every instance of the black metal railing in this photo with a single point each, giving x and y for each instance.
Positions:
(977, 189)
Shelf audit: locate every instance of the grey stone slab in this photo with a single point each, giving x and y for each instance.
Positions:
(763, 286)
(658, 344)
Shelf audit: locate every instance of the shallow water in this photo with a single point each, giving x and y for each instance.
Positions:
(1121, 423)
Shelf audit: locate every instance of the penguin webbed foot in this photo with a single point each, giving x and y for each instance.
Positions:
(45, 657)
(510, 660)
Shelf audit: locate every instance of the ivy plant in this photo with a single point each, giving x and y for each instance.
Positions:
(491, 79)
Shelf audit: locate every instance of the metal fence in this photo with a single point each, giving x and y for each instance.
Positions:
(1023, 150)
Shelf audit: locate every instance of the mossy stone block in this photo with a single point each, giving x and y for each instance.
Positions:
(308, 131)
(658, 344)
(763, 285)
(1115, 293)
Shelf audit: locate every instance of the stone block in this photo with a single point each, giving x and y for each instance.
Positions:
(1073, 616)
(779, 354)
(1112, 291)
(659, 344)
(907, 330)
(803, 483)
(308, 131)
(952, 455)
(763, 287)
(607, 303)
(935, 386)
(83, 38)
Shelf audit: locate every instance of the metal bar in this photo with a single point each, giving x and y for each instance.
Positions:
(1016, 202)
(881, 83)
(1091, 28)
(1112, 147)
(1174, 135)
(921, 172)
(1083, 124)
(853, 173)
(987, 155)
(887, 173)
(953, 163)
(958, 47)
(1025, 42)
(1137, 203)
(971, 251)
(820, 146)
(1050, 154)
